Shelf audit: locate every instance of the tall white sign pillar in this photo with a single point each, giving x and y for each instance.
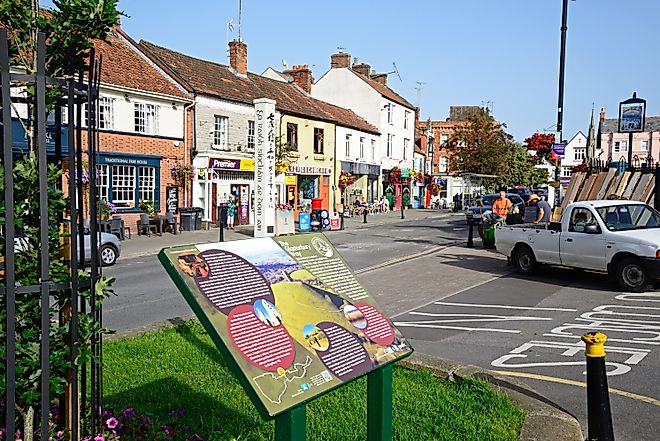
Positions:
(264, 167)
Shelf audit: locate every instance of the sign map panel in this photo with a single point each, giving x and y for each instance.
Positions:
(288, 314)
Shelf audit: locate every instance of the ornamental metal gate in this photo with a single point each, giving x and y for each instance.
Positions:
(47, 291)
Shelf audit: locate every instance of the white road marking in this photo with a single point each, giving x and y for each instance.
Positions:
(479, 317)
(485, 305)
(457, 328)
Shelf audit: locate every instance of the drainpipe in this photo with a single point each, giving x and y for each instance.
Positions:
(334, 175)
(185, 141)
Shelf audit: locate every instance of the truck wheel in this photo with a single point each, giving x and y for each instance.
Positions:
(524, 260)
(631, 275)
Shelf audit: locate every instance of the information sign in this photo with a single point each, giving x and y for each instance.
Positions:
(172, 201)
(288, 314)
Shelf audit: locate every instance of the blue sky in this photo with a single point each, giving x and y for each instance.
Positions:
(468, 52)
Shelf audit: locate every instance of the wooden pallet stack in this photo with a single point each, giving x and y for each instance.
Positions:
(636, 186)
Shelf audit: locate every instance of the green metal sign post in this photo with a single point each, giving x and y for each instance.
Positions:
(290, 426)
(379, 404)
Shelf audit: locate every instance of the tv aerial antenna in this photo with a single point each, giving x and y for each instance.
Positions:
(419, 88)
(394, 71)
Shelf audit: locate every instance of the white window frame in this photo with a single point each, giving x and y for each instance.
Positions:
(620, 146)
(566, 172)
(220, 131)
(390, 141)
(103, 183)
(348, 146)
(147, 183)
(145, 118)
(444, 138)
(444, 164)
(373, 149)
(390, 111)
(123, 186)
(406, 143)
(106, 115)
(644, 145)
(361, 147)
(580, 154)
(250, 135)
(405, 120)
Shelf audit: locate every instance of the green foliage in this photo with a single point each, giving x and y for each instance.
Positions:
(483, 146)
(181, 368)
(149, 207)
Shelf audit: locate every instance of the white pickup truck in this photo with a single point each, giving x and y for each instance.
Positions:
(620, 238)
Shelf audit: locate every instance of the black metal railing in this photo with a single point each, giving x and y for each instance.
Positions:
(80, 405)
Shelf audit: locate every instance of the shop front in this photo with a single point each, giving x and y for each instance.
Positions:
(224, 178)
(304, 183)
(365, 186)
(126, 180)
(396, 188)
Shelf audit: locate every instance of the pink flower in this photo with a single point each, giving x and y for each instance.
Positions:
(111, 423)
(60, 433)
(99, 438)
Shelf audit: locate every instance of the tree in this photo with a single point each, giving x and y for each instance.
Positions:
(541, 145)
(482, 146)
(69, 30)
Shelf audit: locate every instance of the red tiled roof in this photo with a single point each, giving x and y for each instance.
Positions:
(386, 91)
(219, 80)
(125, 66)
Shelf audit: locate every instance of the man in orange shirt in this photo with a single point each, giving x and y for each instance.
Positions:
(502, 205)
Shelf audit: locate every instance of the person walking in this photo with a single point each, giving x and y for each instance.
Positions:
(544, 209)
(231, 212)
(502, 205)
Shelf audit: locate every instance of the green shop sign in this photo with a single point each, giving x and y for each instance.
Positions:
(293, 322)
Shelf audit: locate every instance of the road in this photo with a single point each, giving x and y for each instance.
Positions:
(466, 305)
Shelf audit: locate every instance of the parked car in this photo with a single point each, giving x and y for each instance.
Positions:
(523, 192)
(109, 247)
(619, 238)
(474, 212)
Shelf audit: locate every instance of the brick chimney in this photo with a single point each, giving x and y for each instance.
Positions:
(238, 56)
(361, 68)
(380, 78)
(602, 114)
(340, 60)
(302, 76)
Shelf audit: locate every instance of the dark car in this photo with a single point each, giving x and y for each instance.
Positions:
(474, 212)
(523, 192)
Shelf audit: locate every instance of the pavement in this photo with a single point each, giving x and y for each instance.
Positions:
(462, 304)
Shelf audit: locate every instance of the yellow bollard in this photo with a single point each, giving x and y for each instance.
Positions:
(598, 400)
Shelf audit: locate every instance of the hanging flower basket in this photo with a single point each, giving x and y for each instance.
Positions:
(181, 173)
(434, 189)
(346, 179)
(395, 175)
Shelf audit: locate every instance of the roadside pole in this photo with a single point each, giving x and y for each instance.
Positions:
(599, 414)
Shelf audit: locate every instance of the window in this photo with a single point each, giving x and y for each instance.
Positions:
(444, 164)
(443, 139)
(250, 135)
(580, 219)
(390, 139)
(102, 179)
(373, 149)
(292, 135)
(106, 113)
(220, 129)
(318, 141)
(430, 145)
(147, 183)
(620, 146)
(405, 119)
(362, 147)
(629, 217)
(580, 154)
(348, 146)
(389, 113)
(146, 118)
(406, 143)
(644, 146)
(566, 172)
(123, 185)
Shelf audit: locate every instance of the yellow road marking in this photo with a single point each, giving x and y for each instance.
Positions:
(623, 393)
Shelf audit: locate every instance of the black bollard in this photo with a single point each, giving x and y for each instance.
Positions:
(470, 241)
(222, 233)
(599, 415)
(365, 216)
(402, 216)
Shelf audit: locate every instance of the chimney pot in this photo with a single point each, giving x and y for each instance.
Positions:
(238, 56)
(302, 76)
(361, 68)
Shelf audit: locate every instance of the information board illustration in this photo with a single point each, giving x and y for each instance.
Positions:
(288, 311)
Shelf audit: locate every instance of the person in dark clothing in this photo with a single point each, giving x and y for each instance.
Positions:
(544, 209)
(515, 217)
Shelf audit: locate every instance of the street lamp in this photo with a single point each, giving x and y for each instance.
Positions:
(562, 63)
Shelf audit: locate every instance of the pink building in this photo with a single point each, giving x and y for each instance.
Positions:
(614, 145)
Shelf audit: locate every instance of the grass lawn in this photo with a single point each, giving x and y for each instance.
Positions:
(180, 368)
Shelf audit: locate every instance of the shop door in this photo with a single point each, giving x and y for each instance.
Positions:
(324, 191)
(397, 196)
(292, 198)
(214, 203)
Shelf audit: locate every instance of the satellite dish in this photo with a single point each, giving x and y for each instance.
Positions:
(285, 64)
